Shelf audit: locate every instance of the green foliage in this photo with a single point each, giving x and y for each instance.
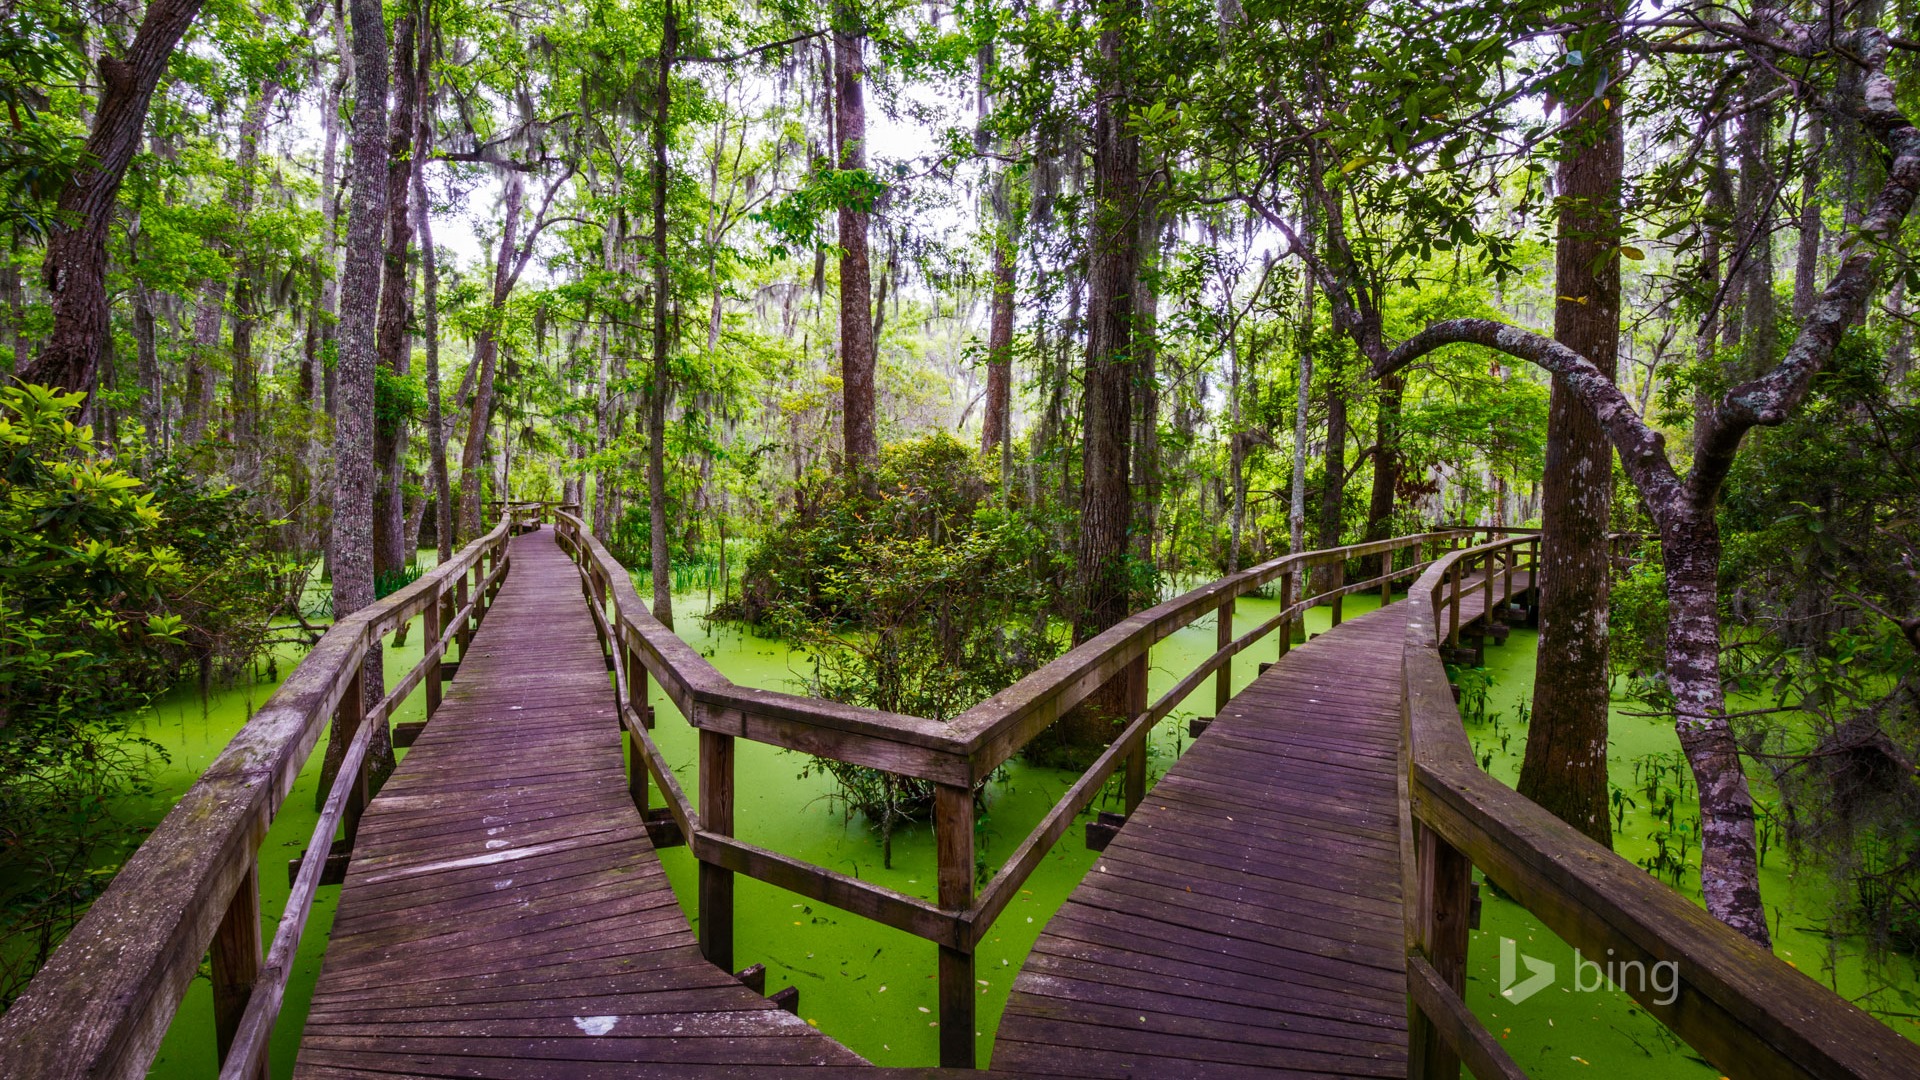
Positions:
(922, 599)
(111, 587)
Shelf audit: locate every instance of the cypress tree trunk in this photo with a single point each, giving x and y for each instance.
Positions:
(351, 551)
(657, 386)
(1106, 413)
(486, 355)
(1806, 268)
(1333, 491)
(392, 547)
(1565, 769)
(430, 323)
(1386, 468)
(861, 442)
(75, 268)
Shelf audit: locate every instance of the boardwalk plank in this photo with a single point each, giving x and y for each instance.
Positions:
(503, 893)
(1247, 920)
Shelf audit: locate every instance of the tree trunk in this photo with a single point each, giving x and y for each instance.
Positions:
(1147, 466)
(196, 406)
(996, 424)
(1303, 398)
(1333, 490)
(1806, 263)
(1386, 469)
(323, 283)
(486, 354)
(430, 315)
(243, 400)
(1236, 446)
(1752, 298)
(351, 549)
(152, 408)
(1112, 269)
(658, 386)
(1565, 769)
(1729, 865)
(861, 441)
(75, 270)
(392, 547)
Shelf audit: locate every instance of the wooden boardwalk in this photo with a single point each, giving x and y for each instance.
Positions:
(1247, 918)
(504, 914)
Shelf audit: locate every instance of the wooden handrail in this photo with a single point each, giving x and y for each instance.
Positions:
(1746, 1011)
(955, 757)
(102, 1003)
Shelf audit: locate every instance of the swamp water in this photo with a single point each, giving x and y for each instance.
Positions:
(873, 988)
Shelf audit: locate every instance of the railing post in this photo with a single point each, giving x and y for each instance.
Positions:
(430, 631)
(716, 816)
(636, 701)
(1442, 908)
(460, 596)
(1339, 582)
(953, 837)
(1223, 637)
(348, 718)
(1508, 557)
(1286, 624)
(1136, 781)
(1453, 603)
(1386, 576)
(235, 957)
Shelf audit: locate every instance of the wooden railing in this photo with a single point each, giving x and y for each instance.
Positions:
(102, 1003)
(1746, 1011)
(955, 757)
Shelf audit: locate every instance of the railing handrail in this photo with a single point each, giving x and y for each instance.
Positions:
(102, 1002)
(1742, 1008)
(955, 757)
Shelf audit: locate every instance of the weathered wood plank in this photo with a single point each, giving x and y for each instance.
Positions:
(504, 887)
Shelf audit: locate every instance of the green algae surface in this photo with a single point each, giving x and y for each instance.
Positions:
(873, 988)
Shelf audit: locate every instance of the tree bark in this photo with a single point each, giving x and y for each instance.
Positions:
(1806, 268)
(75, 269)
(486, 354)
(1753, 308)
(659, 385)
(351, 551)
(1147, 465)
(1333, 490)
(996, 426)
(860, 438)
(323, 283)
(1386, 468)
(243, 401)
(1112, 268)
(1565, 768)
(392, 547)
(430, 315)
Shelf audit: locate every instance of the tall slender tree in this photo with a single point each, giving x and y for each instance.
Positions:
(75, 270)
(1565, 769)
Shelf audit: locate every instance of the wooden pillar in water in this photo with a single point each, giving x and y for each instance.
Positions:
(1453, 604)
(1443, 906)
(1136, 781)
(1286, 624)
(1339, 582)
(235, 959)
(1223, 637)
(636, 753)
(430, 631)
(953, 837)
(716, 816)
(347, 718)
